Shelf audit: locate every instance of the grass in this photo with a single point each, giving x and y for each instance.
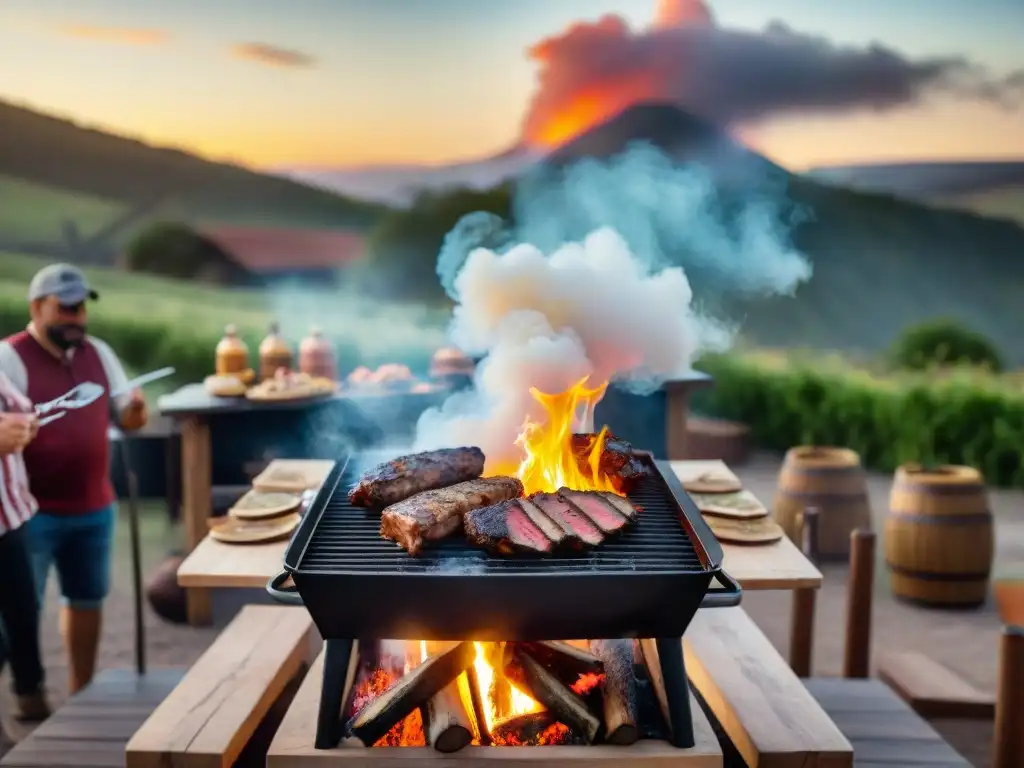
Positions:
(36, 212)
(1005, 203)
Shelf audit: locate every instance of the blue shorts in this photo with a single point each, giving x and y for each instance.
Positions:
(80, 547)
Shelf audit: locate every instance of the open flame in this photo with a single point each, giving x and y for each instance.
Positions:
(550, 461)
(499, 705)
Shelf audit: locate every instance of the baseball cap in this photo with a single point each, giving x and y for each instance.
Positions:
(65, 281)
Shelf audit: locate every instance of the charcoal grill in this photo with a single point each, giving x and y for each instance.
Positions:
(647, 583)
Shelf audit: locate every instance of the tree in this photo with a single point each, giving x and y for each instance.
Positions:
(402, 249)
(171, 249)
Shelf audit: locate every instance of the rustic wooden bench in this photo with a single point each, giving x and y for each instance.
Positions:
(762, 706)
(933, 690)
(884, 730)
(93, 726)
(211, 715)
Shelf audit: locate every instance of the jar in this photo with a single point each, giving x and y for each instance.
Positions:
(232, 354)
(274, 353)
(316, 356)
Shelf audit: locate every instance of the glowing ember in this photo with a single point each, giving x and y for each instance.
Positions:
(586, 683)
(556, 733)
(549, 462)
(409, 732)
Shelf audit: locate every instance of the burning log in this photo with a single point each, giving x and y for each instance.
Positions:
(446, 721)
(531, 730)
(477, 699)
(409, 692)
(527, 673)
(567, 662)
(619, 693)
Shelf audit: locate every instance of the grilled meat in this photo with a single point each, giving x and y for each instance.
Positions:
(505, 528)
(623, 505)
(550, 528)
(393, 481)
(576, 526)
(616, 460)
(437, 513)
(597, 508)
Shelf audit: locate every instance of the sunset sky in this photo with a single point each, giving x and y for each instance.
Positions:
(325, 83)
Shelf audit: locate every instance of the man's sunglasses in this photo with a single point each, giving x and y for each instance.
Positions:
(72, 309)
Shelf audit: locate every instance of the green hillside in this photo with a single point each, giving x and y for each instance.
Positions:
(1005, 202)
(52, 170)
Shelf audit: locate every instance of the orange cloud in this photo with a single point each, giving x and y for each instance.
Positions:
(117, 35)
(271, 55)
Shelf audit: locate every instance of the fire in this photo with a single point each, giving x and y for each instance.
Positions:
(499, 705)
(549, 461)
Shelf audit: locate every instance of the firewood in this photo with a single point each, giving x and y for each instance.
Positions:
(618, 693)
(566, 662)
(649, 647)
(500, 693)
(522, 730)
(409, 692)
(477, 698)
(446, 721)
(568, 708)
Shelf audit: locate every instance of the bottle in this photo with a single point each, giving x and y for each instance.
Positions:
(316, 356)
(274, 353)
(232, 354)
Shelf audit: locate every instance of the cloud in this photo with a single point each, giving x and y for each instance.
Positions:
(271, 55)
(738, 76)
(117, 35)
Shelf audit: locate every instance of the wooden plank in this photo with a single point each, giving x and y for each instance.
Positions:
(757, 699)
(209, 717)
(884, 730)
(312, 471)
(293, 747)
(933, 690)
(215, 564)
(197, 504)
(780, 565)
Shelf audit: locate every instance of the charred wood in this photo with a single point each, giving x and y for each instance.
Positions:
(447, 722)
(619, 692)
(533, 729)
(477, 699)
(409, 692)
(567, 662)
(649, 647)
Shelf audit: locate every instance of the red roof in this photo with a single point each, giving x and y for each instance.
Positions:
(275, 250)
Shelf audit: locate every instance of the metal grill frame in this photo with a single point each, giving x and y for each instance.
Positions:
(548, 602)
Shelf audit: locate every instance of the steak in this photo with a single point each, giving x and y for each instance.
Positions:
(623, 505)
(437, 513)
(576, 526)
(597, 508)
(616, 458)
(393, 481)
(550, 528)
(505, 528)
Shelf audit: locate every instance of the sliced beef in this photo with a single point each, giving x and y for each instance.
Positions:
(576, 526)
(597, 508)
(505, 528)
(550, 528)
(393, 481)
(438, 513)
(622, 504)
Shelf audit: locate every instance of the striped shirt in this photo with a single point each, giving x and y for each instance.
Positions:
(16, 502)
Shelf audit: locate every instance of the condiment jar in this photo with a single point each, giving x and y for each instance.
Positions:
(232, 354)
(316, 356)
(274, 353)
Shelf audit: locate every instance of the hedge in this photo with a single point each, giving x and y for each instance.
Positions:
(964, 417)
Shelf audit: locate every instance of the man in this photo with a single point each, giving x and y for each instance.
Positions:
(19, 606)
(69, 461)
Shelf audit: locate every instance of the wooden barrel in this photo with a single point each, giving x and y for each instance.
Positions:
(939, 540)
(831, 480)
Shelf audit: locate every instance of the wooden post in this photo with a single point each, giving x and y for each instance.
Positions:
(801, 629)
(676, 411)
(859, 594)
(1008, 751)
(197, 504)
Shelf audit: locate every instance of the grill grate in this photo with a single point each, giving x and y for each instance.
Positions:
(346, 540)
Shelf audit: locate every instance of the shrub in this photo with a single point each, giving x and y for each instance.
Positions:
(942, 343)
(967, 418)
(172, 250)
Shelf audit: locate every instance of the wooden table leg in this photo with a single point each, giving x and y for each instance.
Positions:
(677, 411)
(197, 504)
(1009, 733)
(801, 631)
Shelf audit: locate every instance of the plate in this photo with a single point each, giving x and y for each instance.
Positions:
(260, 505)
(293, 475)
(236, 531)
(711, 483)
(761, 530)
(742, 505)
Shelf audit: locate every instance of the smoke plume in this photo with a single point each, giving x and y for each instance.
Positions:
(593, 70)
(592, 281)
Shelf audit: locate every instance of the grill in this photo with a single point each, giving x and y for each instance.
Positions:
(648, 583)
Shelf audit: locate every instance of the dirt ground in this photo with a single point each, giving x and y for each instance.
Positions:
(964, 641)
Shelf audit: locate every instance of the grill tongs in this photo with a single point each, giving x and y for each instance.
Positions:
(77, 397)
